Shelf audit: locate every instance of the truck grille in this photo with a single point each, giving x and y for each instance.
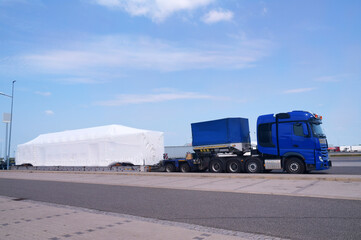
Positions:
(324, 153)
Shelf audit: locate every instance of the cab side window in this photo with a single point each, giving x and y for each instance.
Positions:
(265, 135)
(298, 130)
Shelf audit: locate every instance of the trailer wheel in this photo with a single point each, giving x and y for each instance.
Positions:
(185, 167)
(295, 166)
(169, 167)
(253, 165)
(233, 166)
(216, 166)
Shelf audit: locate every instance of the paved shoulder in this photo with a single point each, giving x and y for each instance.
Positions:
(24, 219)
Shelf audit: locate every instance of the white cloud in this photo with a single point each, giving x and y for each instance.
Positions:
(299, 90)
(264, 11)
(157, 10)
(45, 94)
(49, 112)
(217, 16)
(334, 78)
(115, 53)
(79, 80)
(125, 99)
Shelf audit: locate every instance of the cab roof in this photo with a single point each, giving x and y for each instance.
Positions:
(289, 116)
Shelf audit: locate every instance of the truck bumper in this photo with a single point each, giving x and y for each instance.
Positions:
(324, 165)
(319, 166)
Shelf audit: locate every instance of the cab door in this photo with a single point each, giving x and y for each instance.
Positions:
(302, 141)
(285, 134)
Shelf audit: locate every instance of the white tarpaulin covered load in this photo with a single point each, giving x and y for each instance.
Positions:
(98, 146)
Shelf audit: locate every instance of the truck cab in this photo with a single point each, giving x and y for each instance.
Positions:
(293, 141)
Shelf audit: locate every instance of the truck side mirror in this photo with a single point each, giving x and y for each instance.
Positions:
(305, 129)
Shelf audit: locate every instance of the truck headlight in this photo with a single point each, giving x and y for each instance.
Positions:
(320, 158)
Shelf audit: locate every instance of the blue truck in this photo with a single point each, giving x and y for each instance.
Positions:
(292, 141)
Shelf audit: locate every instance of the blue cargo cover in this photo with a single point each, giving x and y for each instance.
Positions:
(222, 131)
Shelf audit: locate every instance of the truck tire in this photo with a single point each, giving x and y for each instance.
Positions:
(234, 166)
(169, 167)
(295, 166)
(185, 168)
(216, 166)
(253, 165)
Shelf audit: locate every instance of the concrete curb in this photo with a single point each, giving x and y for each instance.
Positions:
(312, 177)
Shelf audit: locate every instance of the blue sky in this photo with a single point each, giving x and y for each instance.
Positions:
(162, 64)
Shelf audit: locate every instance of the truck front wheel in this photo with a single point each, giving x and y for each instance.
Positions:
(233, 166)
(253, 165)
(169, 167)
(295, 166)
(216, 166)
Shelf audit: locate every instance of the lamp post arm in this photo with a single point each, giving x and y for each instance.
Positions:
(5, 95)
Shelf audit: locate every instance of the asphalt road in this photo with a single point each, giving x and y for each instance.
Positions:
(281, 216)
(344, 166)
(340, 171)
(337, 170)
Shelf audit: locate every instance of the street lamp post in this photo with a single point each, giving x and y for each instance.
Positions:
(6, 141)
(7, 154)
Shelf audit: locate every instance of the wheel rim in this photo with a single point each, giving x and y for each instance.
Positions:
(216, 167)
(233, 167)
(252, 167)
(294, 167)
(184, 168)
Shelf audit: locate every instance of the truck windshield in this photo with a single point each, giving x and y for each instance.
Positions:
(317, 130)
